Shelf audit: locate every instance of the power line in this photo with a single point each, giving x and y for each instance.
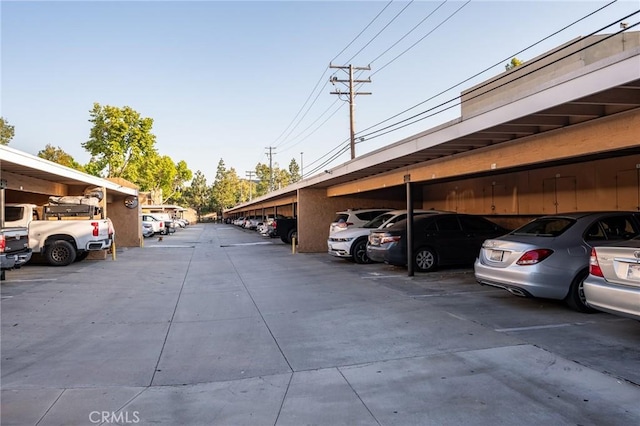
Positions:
(319, 81)
(491, 66)
(421, 39)
(373, 134)
(379, 32)
(361, 32)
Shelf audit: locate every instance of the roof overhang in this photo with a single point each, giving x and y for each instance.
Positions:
(605, 88)
(24, 164)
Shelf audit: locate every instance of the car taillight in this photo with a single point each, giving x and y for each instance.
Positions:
(96, 231)
(594, 266)
(534, 256)
(3, 243)
(390, 239)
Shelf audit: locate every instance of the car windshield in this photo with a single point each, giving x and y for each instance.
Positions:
(545, 227)
(377, 221)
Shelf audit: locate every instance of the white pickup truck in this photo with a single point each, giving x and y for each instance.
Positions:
(60, 234)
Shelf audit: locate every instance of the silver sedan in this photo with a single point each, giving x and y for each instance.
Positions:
(549, 256)
(613, 284)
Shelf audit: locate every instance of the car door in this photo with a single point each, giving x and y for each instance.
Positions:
(449, 239)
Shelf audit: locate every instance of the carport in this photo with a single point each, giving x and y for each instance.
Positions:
(560, 133)
(31, 179)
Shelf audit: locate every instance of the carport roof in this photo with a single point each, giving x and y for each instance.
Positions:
(22, 163)
(609, 87)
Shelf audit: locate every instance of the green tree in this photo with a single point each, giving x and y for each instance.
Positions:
(294, 171)
(58, 155)
(7, 132)
(180, 178)
(225, 189)
(281, 178)
(198, 194)
(118, 141)
(515, 62)
(263, 174)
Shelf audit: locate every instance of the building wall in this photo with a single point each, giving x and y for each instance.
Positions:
(126, 222)
(317, 211)
(608, 184)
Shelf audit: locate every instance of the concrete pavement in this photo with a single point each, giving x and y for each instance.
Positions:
(218, 326)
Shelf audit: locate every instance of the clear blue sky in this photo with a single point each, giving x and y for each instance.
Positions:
(225, 80)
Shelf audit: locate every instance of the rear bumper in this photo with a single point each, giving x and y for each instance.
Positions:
(11, 261)
(612, 298)
(528, 281)
(376, 253)
(98, 245)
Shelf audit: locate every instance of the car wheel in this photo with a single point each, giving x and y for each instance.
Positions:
(360, 252)
(425, 259)
(576, 298)
(60, 253)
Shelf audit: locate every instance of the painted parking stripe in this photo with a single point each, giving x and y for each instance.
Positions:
(542, 327)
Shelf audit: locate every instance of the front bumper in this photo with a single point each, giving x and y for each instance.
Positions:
(339, 248)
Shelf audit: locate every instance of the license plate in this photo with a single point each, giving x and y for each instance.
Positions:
(496, 255)
(633, 273)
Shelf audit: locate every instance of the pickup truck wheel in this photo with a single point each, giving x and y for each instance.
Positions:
(292, 234)
(60, 253)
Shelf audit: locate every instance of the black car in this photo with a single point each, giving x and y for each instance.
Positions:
(439, 239)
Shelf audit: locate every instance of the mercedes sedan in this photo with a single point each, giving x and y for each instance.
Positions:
(549, 256)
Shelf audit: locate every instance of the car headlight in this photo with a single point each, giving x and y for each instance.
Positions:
(340, 240)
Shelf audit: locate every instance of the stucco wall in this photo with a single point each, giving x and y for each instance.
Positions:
(317, 211)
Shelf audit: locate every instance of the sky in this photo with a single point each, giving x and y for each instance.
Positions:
(226, 80)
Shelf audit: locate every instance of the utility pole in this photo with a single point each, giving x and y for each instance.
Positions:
(352, 96)
(301, 167)
(250, 174)
(270, 154)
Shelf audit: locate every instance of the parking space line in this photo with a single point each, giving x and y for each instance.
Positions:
(542, 327)
(457, 293)
(33, 280)
(259, 243)
(379, 276)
